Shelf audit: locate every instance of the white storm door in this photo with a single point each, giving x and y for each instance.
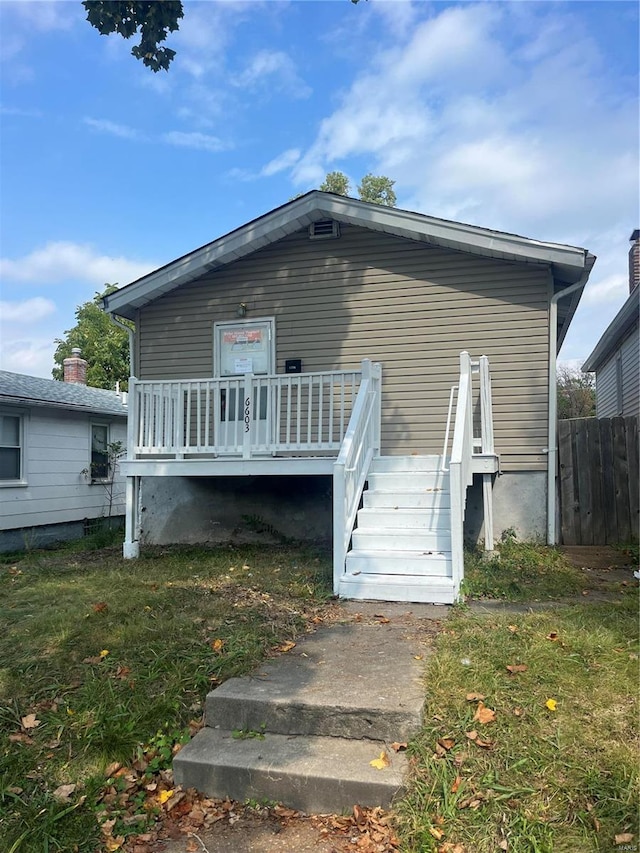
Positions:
(241, 347)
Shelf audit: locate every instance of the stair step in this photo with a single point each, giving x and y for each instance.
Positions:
(298, 693)
(312, 774)
(427, 590)
(406, 463)
(390, 539)
(407, 481)
(411, 563)
(386, 518)
(396, 499)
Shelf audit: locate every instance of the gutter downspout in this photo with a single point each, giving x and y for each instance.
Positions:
(131, 333)
(552, 451)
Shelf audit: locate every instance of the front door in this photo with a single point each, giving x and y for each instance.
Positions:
(242, 347)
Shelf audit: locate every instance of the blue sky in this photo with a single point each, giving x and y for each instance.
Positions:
(518, 116)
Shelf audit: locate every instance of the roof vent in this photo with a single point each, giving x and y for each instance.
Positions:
(324, 229)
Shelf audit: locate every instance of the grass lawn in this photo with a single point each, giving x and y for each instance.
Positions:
(106, 663)
(103, 660)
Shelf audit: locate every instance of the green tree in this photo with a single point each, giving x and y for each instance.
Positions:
(104, 345)
(154, 19)
(576, 393)
(377, 189)
(335, 182)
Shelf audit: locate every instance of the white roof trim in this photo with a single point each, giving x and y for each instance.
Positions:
(568, 263)
(624, 320)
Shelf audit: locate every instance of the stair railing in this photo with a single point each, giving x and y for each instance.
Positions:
(460, 467)
(465, 445)
(360, 445)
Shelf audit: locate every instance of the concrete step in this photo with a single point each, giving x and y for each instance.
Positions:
(387, 519)
(428, 590)
(406, 463)
(299, 693)
(373, 539)
(312, 774)
(401, 499)
(407, 481)
(417, 563)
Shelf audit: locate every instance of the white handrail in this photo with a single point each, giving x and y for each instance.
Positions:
(445, 446)
(361, 443)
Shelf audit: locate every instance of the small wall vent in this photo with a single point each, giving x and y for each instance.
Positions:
(324, 229)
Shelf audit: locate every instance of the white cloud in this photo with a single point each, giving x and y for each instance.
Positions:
(283, 161)
(62, 261)
(18, 111)
(199, 141)
(272, 69)
(26, 311)
(33, 356)
(111, 127)
(44, 15)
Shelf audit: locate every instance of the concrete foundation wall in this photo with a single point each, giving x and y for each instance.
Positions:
(49, 535)
(198, 510)
(519, 504)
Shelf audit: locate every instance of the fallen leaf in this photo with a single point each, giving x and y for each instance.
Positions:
(447, 743)
(418, 657)
(437, 833)
(475, 697)
(551, 704)
(30, 722)
(504, 844)
(192, 846)
(96, 659)
(399, 747)
(585, 592)
(100, 607)
(163, 796)
(472, 735)
(217, 646)
(381, 761)
(63, 792)
(112, 844)
(518, 712)
(122, 672)
(624, 838)
(553, 635)
(382, 619)
(456, 784)
(112, 769)
(483, 714)
(517, 667)
(20, 737)
(286, 647)
(513, 628)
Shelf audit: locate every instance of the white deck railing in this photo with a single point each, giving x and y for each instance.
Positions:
(361, 443)
(241, 416)
(465, 445)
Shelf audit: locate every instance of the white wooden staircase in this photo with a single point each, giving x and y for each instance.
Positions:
(398, 520)
(401, 546)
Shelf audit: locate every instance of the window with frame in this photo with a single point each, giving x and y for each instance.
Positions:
(11, 448)
(99, 452)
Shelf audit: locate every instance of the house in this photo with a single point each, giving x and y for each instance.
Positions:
(55, 461)
(339, 367)
(616, 357)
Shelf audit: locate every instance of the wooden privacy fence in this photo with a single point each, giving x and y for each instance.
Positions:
(598, 459)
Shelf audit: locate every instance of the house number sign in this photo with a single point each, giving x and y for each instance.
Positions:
(247, 414)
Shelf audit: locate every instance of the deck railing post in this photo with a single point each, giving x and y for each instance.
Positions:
(247, 416)
(339, 524)
(486, 421)
(376, 374)
(133, 414)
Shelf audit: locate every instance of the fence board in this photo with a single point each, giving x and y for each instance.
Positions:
(599, 483)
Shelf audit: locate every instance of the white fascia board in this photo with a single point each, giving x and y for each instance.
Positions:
(568, 261)
(23, 402)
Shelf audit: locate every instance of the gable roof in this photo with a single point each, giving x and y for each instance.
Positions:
(18, 389)
(619, 327)
(568, 264)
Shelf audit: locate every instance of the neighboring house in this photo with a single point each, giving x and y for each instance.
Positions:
(616, 357)
(55, 475)
(312, 352)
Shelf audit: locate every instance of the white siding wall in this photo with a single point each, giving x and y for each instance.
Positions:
(607, 390)
(630, 354)
(57, 449)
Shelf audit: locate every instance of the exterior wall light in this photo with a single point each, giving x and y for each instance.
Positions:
(241, 310)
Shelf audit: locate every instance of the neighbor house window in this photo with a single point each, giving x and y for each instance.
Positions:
(11, 449)
(99, 451)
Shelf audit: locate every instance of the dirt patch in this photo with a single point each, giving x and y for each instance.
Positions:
(606, 570)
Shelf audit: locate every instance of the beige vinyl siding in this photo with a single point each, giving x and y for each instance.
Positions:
(618, 380)
(369, 295)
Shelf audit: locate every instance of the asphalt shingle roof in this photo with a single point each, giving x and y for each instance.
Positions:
(20, 389)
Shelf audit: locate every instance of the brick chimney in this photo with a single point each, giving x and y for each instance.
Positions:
(634, 261)
(75, 368)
